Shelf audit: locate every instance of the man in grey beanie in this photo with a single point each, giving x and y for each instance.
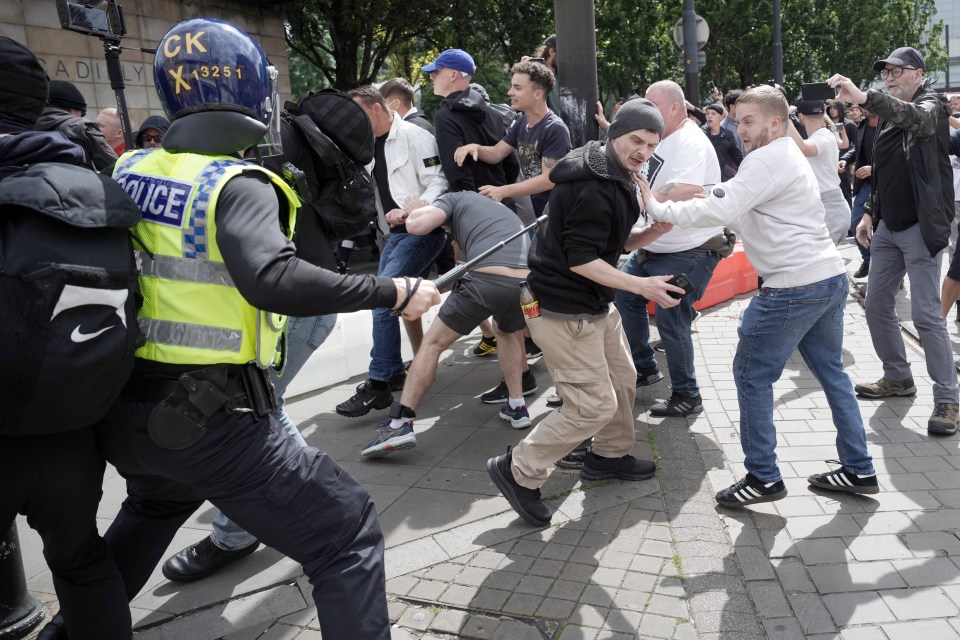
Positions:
(573, 274)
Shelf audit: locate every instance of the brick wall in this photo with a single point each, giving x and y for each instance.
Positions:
(79, 58)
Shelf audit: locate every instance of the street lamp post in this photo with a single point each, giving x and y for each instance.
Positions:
(777, 45)
(691, 64)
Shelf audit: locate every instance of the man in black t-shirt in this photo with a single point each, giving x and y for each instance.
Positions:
(539, 135)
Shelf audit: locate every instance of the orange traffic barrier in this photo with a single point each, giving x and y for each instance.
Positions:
(734, 275)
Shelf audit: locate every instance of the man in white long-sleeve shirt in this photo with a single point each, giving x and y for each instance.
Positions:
(774, 204)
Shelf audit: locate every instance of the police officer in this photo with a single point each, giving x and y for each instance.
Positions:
(193, 423)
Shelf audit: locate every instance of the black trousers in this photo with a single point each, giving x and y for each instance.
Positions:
(55, 481)
(295, 499)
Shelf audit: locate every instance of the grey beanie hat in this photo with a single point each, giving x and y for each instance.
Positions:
(636, 114)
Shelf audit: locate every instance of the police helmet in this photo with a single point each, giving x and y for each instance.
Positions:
(217, 87)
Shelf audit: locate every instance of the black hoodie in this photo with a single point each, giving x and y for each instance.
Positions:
(465, 118)
(83, 132)
(593, 206)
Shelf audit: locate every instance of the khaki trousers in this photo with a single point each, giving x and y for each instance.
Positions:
(593, 371)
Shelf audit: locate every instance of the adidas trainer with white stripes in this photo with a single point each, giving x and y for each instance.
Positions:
(842, 480)
(751, 491)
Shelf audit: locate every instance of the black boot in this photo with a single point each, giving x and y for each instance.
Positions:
(54, 630)
(201, 560)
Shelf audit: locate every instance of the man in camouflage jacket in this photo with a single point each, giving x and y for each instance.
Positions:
(906, 225)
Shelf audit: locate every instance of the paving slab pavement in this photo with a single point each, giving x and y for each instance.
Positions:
(653, 559)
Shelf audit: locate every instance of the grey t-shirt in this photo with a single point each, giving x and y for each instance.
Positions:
(478, 223)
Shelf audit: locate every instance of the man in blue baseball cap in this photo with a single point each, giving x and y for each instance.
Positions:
(464, 117)
(456, 59)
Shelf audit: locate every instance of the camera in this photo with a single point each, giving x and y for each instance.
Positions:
(103, 18)
(540, 60)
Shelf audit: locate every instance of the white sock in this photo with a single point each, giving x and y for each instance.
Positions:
(516, 403)
(397, 423)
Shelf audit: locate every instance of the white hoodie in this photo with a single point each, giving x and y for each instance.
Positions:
(773, 203)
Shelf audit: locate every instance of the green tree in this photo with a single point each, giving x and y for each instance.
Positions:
(871, 29)
(304, 76)
(819, 39)
(349, 40)
(634, 46)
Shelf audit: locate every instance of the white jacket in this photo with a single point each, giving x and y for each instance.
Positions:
(413, 166)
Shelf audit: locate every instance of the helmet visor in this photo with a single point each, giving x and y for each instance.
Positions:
(271, 144)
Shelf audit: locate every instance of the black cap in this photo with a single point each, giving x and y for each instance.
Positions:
(810, 107)
(902, 57)
(23, 83)
(551, 41)
(65, 95)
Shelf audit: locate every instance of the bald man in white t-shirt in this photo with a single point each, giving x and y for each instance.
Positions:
(682, 165)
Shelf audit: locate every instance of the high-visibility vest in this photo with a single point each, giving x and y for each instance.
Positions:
(192, 312)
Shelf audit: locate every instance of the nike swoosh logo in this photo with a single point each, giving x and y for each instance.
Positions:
(367, 403)
(78, 336)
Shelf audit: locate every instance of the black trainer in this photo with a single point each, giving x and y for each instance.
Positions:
(396, 382)
(526, 502)
(751, 491)
(499, 394)
(677, 405)
(574, 459)
(201, 560)
(533, 351)
(863, 271)
(647, 377)
(623, 468)
(842, 480)
(56, 629)
(486, 347)
(370, 395)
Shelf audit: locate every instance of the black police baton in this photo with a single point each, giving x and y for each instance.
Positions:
(456, 272)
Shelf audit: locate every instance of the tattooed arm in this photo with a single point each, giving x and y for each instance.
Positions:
(676, 191)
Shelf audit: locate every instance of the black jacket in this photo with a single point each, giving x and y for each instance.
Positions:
(83, 132)
(926, 147)
(593, 206)
(859, 150)
(728, 153)
(464, 118)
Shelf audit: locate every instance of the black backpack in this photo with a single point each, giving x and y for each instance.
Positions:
(332, 142)
(69, 296)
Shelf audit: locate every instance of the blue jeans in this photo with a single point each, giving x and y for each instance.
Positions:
(673, 323)
(774, 324)
(304, 336)
(856, 213)
(403, 254)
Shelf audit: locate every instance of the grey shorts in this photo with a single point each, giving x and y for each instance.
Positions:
(477, 296)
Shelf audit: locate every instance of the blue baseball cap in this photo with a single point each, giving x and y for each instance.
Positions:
(457, 59)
